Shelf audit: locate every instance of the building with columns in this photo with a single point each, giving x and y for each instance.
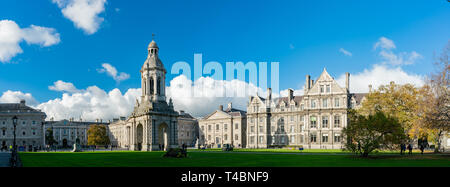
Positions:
(29, 128)
(223, 127)
(313, 120)
(153, 124)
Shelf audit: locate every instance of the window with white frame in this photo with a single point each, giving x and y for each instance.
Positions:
(336, 102)
(322, 89)
(324, 103)
(337, 121)
(328, 88)
(325, 138)
(324, 121)
(313, 122)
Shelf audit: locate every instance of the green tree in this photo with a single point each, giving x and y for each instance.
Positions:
(399, 101)
(49, 139)
(98, 135)
(366, 133)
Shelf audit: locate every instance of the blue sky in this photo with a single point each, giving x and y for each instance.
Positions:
(304, 36)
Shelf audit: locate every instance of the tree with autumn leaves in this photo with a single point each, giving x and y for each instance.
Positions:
(98, 135)
(421, 112)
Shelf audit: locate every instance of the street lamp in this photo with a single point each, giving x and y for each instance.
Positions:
(14, 151)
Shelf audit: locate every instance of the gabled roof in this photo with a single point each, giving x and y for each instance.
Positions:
(297, 100)
(358, 97)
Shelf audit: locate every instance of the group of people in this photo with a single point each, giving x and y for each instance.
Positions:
(403, 148)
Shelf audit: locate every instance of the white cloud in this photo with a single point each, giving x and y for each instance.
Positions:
(63, 87)
(83, 13)
(15, 97)
(384, 43)
(379, 75)
(345, 52)
(112, 71)
(211, 93)
(388, 56)
(11, 35)
(91, 104)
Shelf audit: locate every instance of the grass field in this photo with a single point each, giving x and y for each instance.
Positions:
(221, 159)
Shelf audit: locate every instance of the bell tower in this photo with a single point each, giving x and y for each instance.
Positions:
(153, 76)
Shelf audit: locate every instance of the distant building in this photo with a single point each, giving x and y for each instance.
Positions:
(187, 129)
(68, 132)
(29, 129)
(223, 127)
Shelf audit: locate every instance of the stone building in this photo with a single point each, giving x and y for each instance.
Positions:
(223, 127)
(187, 129)
(68, 132)
(29, 128)
(314, 120)
(153, 124)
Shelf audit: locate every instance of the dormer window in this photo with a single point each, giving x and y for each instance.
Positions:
(322, 89)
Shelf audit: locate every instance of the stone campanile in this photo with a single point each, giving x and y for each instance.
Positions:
(153, 76)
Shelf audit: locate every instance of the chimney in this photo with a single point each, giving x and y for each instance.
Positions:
(347, 81)
(308, 82)
(181, 112)
(221, 107)
(230, 105)
(269, 94)
(290, 94)
(311, 83)
(22, 102)
(370, 88)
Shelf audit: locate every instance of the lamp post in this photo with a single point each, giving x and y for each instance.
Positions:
(14, 151)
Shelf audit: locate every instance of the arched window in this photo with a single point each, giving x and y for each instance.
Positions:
(151, 85)
(158, 86)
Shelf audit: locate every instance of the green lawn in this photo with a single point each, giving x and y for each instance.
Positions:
(219, 159)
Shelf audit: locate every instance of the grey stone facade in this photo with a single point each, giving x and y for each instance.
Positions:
(223, 127)
(68, 132)
(29, 129)
(314, 120)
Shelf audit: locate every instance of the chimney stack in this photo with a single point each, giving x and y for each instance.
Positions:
(230, 105)
(347, 81)
(181, 112)
(308, 82)
(290, 94)
(269, 94)
(221, 107)
(311, 83)
(22, 102)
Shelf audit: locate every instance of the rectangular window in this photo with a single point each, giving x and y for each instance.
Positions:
(292, 139)
(261, 139)
(292, 118)
(292, 128)
(328, 88)
(282, 139)
(217, 127)
(337, 138)
(236, 137)
(209, 127)
(324, 103)
(313, 138)
(313, 122)
(209, 137)
(324, 121)
(225, 137)
(336, 102)
(252, 140)
(225, 126)
(325, 138)
(321, 88)
(337, 121)
(261, 129)
(252, 129)
(313, 103)
(236, 126)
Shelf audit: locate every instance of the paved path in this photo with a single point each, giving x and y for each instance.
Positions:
(4, 159)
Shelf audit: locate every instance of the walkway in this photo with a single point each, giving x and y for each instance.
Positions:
(4, 159)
